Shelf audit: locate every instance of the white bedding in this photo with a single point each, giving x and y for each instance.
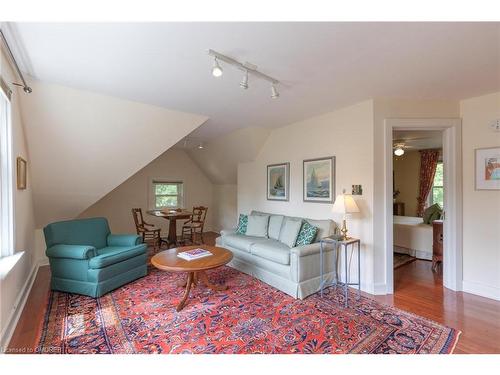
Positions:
(413, 237)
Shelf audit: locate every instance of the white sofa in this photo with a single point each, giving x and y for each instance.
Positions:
(295, 271)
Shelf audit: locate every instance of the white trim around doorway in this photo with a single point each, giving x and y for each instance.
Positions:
(452, 229)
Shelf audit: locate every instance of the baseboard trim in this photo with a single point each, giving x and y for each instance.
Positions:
(482, 290)
(7, 333)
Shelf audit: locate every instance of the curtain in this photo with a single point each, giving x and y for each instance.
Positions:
(428, 164)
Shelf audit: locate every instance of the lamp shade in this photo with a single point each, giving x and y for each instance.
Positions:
(345, 204)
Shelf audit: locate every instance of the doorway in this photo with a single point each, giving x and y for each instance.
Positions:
(452, 184)
(418, 205)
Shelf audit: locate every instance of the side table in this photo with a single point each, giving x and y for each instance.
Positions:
(345, 245)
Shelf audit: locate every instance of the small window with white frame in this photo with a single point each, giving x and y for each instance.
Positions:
(6, 181)
(167, 194)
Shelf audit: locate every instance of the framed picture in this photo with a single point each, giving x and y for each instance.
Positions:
(278, 182)
(319, 180)
(488, 168)
(21, 173)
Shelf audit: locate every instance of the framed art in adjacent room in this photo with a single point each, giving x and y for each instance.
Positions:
(278, 182)
(488, 168)
(319, 180)
(21, 173)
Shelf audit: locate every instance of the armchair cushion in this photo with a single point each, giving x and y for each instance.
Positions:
(124, 240)
(115, 254)
(71, 251)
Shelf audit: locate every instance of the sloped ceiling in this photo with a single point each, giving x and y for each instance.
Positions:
(82, 145)
(219, 158)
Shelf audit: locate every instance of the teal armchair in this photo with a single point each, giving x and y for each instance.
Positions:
(85, 258)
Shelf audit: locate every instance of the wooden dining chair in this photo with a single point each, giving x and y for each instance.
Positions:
(148, 232)
(195, 225)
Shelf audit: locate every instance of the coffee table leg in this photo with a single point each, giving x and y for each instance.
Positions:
(189, 282)
(204, 278)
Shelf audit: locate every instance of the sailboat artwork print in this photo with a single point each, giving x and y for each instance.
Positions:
(319, 180)
(278, 180)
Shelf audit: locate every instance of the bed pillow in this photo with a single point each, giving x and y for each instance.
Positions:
(257, 225)
(290, 231)
(306, 235)
(242, 224)
(430, 213)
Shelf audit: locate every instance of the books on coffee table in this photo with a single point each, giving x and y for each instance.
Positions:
(194, 254)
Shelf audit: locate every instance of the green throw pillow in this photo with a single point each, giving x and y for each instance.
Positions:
(242, 224)
(430, 213)
(306, 235)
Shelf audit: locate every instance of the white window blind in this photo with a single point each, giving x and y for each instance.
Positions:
(167, 194)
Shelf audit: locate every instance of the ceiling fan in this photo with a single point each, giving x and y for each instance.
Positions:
(400, 145)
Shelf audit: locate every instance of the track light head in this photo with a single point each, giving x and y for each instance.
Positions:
(244, 81)
(274, 93)
(216, 70)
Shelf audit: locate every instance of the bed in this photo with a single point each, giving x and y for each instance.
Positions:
(412, 237)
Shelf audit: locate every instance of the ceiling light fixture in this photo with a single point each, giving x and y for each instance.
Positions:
(216, 69)
(247, 67)
(200, 146)
(244, 81)
(399, 151)
(274, 93)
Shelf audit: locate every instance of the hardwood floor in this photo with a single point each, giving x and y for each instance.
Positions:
(417, 289)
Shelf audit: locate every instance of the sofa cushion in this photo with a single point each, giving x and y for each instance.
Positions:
(115, 254)
(257, 225)
(272, 250)
(306, 235)
(290, 231)
(242, 224)
(275, 223)
(241, 241)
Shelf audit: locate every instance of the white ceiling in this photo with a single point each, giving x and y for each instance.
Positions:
(323, 66)
(418, 139)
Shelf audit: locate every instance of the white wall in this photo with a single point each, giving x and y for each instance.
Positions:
(16, 271)
(225, 212)
(173, 165)
(481, 208)
(346, 134)
(84, 144)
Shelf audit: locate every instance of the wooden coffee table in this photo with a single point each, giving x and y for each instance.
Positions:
(169, 261)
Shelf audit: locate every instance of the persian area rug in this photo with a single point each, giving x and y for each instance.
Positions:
(249, 317)
(402, 259)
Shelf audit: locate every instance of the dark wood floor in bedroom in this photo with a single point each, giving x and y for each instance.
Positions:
(417, 289)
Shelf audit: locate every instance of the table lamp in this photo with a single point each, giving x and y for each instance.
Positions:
(345, 205)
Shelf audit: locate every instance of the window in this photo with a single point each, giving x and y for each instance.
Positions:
(6, 201)
(437, 192)
(167, 194)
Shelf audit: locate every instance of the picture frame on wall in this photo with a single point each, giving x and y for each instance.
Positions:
(278, 182)
(319, 180)
(487, 168)
(21, 173)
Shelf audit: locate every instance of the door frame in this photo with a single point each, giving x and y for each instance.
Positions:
(452, 182)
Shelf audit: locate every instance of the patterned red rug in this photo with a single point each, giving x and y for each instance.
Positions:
(250, 317)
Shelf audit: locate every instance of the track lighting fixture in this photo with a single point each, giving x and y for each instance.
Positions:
(216, 70)
(244, 81)
(247, 68)
(274, 93)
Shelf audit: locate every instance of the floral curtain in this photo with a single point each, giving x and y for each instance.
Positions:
(428, 164)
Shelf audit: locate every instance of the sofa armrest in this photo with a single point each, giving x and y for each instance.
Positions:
(71, 251)
(225, 232)
(124, 240)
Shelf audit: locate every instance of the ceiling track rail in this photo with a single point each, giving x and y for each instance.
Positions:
(24, 85)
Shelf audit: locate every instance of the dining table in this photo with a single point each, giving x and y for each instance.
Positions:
(172, 216)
